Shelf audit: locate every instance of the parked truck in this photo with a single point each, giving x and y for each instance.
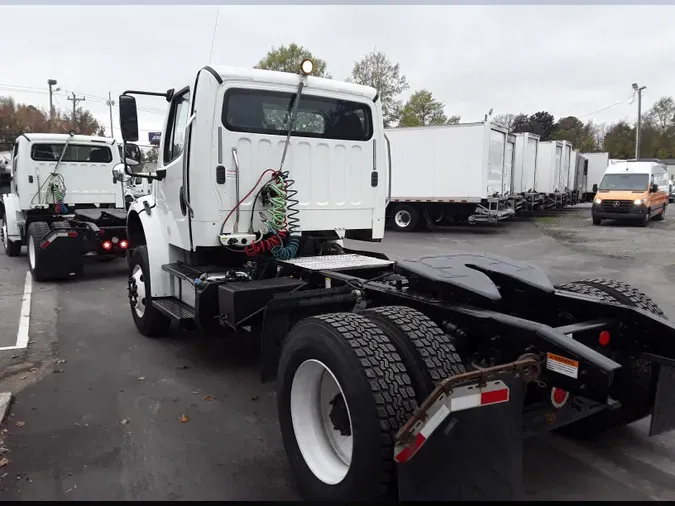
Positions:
(63, 203)
(449, 173)
(549, 182)
(414, 379)
(597, 165)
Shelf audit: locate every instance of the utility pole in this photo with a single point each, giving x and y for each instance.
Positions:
(75, 100)
(638, 89)
(110, 102)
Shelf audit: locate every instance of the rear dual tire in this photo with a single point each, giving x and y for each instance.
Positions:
(375, 368)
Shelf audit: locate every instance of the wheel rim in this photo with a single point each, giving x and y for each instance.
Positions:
(31, 252)
(5, 239)
(138, 295)
(402, 218)
(321, 422)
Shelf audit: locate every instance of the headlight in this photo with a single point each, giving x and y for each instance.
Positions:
(598, 201)
(639, 202)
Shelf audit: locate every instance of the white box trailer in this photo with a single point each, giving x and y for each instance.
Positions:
(565, 165)
(597, 165)
(549, 160)
(572, 172)
(525, 164)
(451, 172)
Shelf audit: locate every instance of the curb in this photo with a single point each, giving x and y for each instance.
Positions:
(5, 401)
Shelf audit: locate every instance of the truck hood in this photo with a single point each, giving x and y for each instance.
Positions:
(620, 195)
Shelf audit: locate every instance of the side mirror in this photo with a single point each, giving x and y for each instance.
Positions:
(119, 175)
(595, 188)
(654, 188)
(128, 118)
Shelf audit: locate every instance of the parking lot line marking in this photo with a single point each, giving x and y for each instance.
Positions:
(24, 317)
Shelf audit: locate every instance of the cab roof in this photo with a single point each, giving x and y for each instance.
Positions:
(633, 166)
(287, 78)
(62, 138)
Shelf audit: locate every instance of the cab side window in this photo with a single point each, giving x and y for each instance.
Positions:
(175, 135)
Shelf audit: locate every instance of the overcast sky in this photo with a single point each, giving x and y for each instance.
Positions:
(570, 60)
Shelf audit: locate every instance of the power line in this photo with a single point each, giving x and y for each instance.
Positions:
(608, 107)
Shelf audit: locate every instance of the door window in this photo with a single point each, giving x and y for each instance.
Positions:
(178, 116)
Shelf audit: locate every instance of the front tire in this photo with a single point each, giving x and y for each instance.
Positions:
(597, 221)
(149, 321)
(635, 384)
(662, 214)
(645, 221)
(342, 385)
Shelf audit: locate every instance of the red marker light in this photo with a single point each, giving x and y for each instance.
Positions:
(604, 338)
(106, 245)
(124, 244)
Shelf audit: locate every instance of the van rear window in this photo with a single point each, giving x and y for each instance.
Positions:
(633, 182)
(267, 112)
(74, 153)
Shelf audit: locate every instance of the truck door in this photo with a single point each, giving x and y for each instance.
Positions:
(169, 200)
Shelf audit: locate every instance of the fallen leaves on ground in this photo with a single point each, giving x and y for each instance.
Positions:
(124, 421)
(208, 398)
(141, 378)
(3, 461)
(20, 424)
(254, 397)
(183, 419)
(184, 367)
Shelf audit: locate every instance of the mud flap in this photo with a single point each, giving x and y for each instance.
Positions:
(475, 454)
(62, 258)
(663, 414)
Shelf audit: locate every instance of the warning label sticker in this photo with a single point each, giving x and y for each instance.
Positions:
(562, 365)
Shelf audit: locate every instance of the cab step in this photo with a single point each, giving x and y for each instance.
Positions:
(183, 271)
(174, 308)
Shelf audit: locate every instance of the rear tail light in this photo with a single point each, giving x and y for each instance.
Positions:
(72, 233)
(107, 245)
(124, 244)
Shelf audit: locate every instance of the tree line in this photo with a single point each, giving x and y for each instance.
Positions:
(657, 133)
(16, 119)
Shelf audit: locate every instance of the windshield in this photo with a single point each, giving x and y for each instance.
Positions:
(74, 153)
(266, 112)
(634, 182)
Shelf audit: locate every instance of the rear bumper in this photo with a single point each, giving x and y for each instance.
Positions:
(83, 241)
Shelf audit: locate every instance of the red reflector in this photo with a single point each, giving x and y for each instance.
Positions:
(604, 337)
(45, 244)
(106, 245)
(411, 450)
(559, 397)
(72, 233)
(494, 396)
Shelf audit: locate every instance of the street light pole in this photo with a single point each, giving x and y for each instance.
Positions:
(638, 89)
(51, 82)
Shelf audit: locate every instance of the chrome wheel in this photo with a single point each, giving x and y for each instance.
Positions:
(31, 251)
(402, 218)
(137, 291)
(321, 422)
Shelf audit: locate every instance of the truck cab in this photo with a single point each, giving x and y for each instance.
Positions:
(632, 190)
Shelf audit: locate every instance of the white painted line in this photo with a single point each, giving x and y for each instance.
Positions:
(24, 318)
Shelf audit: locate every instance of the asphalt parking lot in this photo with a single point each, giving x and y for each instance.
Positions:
(104, 413)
